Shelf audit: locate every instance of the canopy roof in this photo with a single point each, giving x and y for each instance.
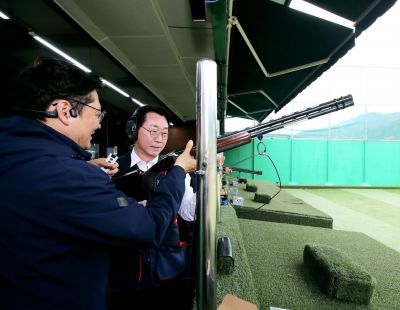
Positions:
(293, 50)
(149, 48)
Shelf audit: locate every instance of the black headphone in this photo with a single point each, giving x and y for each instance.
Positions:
(132, 125)
(73, 112)
(50, 114)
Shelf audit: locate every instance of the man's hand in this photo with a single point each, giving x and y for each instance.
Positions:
(143, 203)
(220, 160)
(101, 162)
(185, 160)
(227, 170)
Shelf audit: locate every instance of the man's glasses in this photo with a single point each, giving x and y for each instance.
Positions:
(156, 133)
(102, 113)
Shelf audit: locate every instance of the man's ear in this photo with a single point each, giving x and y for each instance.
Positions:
(63, 107)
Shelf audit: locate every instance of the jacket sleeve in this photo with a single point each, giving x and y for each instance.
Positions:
(85, 204)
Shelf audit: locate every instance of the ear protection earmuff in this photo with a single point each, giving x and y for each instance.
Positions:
(132, 126)
(138, 117)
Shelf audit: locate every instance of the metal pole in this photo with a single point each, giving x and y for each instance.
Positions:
(206, 93)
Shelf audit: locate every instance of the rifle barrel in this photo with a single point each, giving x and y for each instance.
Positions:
(309, 113)
(239, 138)
(259, 172)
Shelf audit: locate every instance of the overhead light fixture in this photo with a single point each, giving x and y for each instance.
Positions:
(111, 85)
(137, 102)
(314, 10)
(60, 52)
(80, 66)
(3, 16)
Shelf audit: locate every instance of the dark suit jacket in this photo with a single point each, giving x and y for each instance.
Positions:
(124, 162)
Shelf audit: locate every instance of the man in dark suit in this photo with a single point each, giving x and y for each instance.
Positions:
(141, 273)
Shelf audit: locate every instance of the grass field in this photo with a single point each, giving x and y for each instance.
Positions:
(374, 212)
(366, 226)
(275, 253)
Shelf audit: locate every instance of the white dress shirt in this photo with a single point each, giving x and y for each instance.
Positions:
(187, 209)
(142, 165)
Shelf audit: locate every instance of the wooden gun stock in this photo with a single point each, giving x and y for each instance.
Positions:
(229, 142)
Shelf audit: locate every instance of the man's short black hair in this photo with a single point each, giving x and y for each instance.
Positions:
(142, 112)
(48, 79)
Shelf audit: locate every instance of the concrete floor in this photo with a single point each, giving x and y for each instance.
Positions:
(374, 212)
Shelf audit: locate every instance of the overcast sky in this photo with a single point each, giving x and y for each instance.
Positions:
(370, 72)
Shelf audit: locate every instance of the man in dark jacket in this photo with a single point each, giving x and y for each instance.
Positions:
(154, 276)
(61, 216)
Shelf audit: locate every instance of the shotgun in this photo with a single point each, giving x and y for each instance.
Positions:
(234, 140)
(137, 183)
(259, 172)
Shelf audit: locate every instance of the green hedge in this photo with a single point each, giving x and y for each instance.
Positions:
(337, 274)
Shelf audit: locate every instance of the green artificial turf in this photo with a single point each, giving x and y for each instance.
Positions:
(283, 208)
(283, 217)
(375, 212)
(337, 274)
(275, 253)
(370, 205)
(392, 190)
(262, 197)
(242, 180)
(251, 188)
(240, 282)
